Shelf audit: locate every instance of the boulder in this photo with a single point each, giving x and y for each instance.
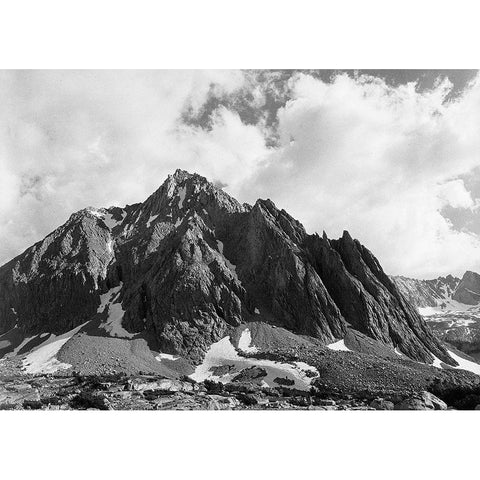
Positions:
(219, 402)
(287, 382)
(382, 404)
(250, 374)
(421, 401)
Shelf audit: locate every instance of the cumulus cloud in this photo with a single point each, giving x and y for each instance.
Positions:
(69, 139)
(353, 153)
(381, 162)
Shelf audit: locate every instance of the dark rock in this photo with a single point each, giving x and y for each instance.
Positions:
(250, 374)
(421, 401)
(382, 404)
(468, 290)
(219, 402)
(247, 387)
(32, 405)
(326, 402)
(87, 400)
(251, 399)
(284, 381)
(220, 370)
(214, 387)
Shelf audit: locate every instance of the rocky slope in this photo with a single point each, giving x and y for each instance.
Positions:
(186, 268)
(468, 290)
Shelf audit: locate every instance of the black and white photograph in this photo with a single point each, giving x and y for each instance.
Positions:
(291, 240)
(274, 239)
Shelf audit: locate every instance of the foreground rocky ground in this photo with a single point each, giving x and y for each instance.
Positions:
(144, 392)
(119, 391)
(372, 379)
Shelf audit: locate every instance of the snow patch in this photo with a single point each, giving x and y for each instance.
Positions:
(43, 358)
(138, 216)
(437, 362)
(465, 364)
(95, 212)
(110, 222)
(339, 346)
(166, 356)
(181, 193)
(447, 306)
(224, 353)
(171, 189)
(113, 324)
(427, 311)
(151, 219)
(245, 342)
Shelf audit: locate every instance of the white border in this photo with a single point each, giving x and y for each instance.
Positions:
(247, 34)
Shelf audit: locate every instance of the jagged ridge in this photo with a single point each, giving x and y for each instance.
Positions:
(194, 263)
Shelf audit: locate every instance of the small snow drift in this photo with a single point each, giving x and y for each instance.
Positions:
(245, 342)
(223, 353)
(151, 219)
(166, 356)
(43, 359)
(436, 362)
(113, 324)
(339, 346)
(465, 364)
(181, 194)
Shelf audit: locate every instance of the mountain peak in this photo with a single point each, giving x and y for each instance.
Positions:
(181, 175)
(191, 263)
(468, 290)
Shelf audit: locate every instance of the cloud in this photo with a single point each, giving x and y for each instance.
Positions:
(69, 139)
(455, 195)
(382, 161)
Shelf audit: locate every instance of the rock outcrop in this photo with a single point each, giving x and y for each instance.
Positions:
(468, 290)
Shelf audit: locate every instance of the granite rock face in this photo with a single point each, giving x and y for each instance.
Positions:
(427, 293)
(191, 263)
(468, 290)
(450, 307)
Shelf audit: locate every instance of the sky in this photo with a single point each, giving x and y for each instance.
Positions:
(392, 156)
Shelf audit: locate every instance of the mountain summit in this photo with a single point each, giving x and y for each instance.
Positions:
(190, 264)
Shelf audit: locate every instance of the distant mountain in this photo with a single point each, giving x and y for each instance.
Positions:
(468, 290)
(187, 268)
(427, 293)
(450, 306)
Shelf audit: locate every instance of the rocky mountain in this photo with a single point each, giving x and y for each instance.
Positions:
(451, 307)
(179, 273)
(468, 290)
(427, 293)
